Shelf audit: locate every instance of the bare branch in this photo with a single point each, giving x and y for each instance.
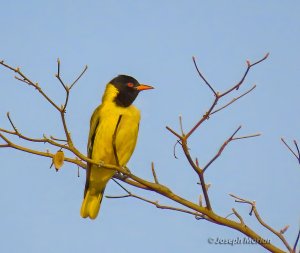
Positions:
(37, 152)
(203, 78)
(181, 126)
(204, 190)
(16, 132)
(66, 88)
(249, 66)
(289, 147)
(77, 79)
(204, 117)
(22, 80)
(246, 136)
(220, 95)
(221, 149)
(261, 221)
(129, 181)
(296, 155)
(283, 230)
(174, 148)
(66, 130)
(296, 144)
(196, 209)
(30, 83)
(296, 242)
(228, 215)
(238, 216)
(200, 200)
(11, 123)
(154, 173)
(58, 66)
(173, 132)
(121, 186)
(57, 139)
(199, 172)
(155, 203)
(117, 197)
(233, 100)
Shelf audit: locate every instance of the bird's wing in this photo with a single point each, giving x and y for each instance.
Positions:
(94, 123)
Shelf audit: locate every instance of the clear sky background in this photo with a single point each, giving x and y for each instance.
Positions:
(153, 41)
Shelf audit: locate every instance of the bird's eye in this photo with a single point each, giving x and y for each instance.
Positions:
(130, 85)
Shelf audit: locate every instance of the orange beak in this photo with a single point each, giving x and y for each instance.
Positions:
(144, 87)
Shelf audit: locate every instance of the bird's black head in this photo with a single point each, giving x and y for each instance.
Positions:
(128, 88)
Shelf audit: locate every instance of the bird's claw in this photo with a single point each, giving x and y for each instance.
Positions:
(100, 164)
(126, 169)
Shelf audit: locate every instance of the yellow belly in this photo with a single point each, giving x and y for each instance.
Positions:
(126, 137)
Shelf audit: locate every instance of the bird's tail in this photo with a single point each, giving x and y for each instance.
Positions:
(91, 204)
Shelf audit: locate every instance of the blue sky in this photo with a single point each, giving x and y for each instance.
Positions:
(153, 41)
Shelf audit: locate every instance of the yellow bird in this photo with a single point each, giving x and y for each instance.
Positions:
(115, 120)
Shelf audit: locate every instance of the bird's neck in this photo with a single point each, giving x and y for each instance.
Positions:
(110, 94)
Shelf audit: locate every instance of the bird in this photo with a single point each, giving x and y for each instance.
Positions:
(114, 127)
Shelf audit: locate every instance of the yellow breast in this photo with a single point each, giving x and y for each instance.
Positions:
(126, 133)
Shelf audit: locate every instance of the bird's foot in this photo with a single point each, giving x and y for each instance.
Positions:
(126, 169)
(100, 164)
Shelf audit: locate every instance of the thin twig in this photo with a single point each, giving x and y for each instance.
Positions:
(238, 216)
(154, 173)
(129, 181)
(29, 82)
(81, 74)
(61, 81)
(204, 117)
(200, 200)
(199, 172)
(57, 139)
(173, 132)
(296, 242)
(181, 126)
(202, 77)
(221, 149)
(228, 215)
(66, 130)
(37, 152)
(233, 100)
(204, 190)
(22, 80)
(11, 123)
(284, 142)
(296, 144)
(118, 197)
(220, 95)
(249, 66)
(261, 221)
(58, 66)
(155, 203)
(284, 229)
(16, 132)
(174, 149)
(121, 186)
(246, 136)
